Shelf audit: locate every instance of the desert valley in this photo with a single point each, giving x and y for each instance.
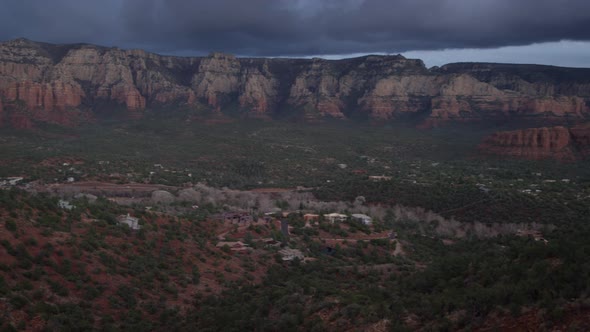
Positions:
(221, 193)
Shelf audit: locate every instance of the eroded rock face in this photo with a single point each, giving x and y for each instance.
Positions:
(56, 95)
(217, 76)
(46, 82)
(258, 92)
(536, 143)
(581, 137)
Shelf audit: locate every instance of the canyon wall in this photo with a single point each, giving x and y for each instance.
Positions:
(561, 143)
(66, 83)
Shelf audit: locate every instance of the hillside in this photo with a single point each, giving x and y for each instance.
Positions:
(456, 242)
(69, 84)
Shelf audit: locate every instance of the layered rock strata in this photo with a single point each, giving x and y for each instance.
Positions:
(54, 83)
(556, 142)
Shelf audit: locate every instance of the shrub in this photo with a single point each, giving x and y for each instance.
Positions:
(10, 225)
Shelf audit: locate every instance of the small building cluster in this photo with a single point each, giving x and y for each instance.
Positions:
(362, 218)
(233, 245)
(63, 204)
(339, 217)
(289, 254)
(310, 217)
(379, 178)
(245, 219)
(10, 181)
(536, 235)
(130, 221)
(237, 218)
(334, 217)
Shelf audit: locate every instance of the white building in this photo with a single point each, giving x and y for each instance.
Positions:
(333, 217)
(289, 254)
(65, 205)
(378, 178)
(130, 221)
(10, 181)
(362, 218)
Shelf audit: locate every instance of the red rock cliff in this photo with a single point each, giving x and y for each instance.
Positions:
(540, 143)
(50, 80)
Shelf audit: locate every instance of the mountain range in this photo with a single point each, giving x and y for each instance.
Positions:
(70, 84)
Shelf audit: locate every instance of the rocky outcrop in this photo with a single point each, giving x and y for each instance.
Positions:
(217, 77)
(581, 137)
(557, 142)
(51, 96)
(52, 83)
(259, 93)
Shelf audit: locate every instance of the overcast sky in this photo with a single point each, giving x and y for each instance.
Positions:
(438, 31)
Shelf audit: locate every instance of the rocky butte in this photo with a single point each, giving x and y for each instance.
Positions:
(541, 143)
(67, 84)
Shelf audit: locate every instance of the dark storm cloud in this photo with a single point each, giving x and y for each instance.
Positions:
(297, 27)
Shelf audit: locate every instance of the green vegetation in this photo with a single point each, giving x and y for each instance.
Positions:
(455, 263)
(240, 154)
